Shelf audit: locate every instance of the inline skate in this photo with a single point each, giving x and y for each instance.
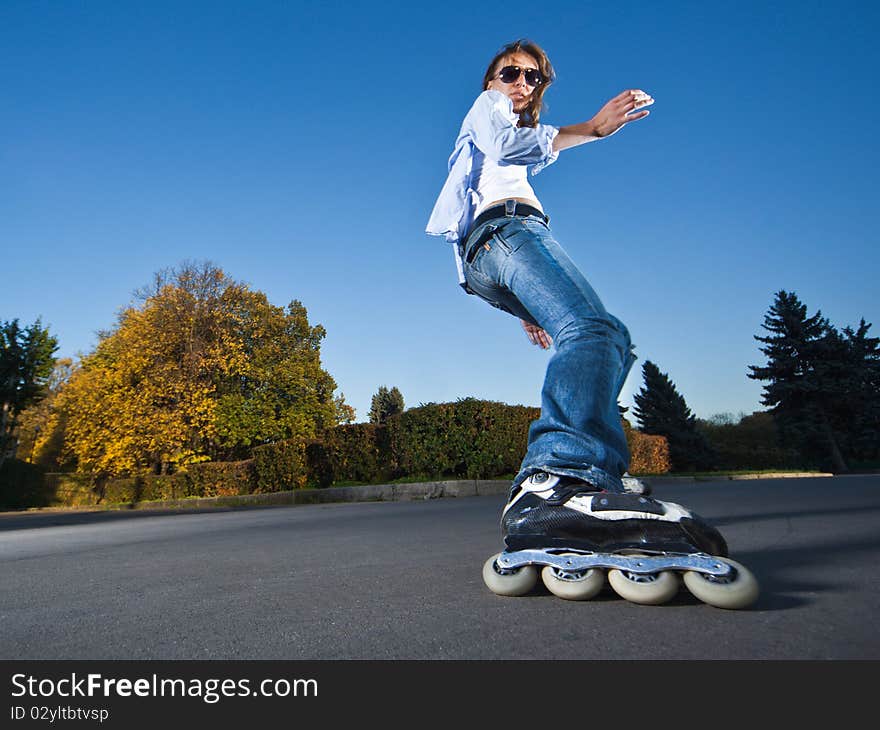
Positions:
(576, 531)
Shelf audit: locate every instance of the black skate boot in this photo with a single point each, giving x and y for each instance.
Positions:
(552, 511)
(575, 530)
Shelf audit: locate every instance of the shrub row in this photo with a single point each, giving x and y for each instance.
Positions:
(648, 454)
(358, 452)
(468, 439)
(212, 479)
(753, 443)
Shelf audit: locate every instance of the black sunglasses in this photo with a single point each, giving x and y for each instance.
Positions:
(510, 74)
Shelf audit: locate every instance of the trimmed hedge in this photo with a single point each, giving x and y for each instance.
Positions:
(357, 452)
(221, 479)
(211, 479)
(477, 439)
(24, 485)
(143, 488)
(468, 439)
(471, 439)
(279, 467)
(648, 454)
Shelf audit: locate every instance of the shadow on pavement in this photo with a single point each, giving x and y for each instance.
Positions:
(792, 514)
(32, 520)
(774, 567)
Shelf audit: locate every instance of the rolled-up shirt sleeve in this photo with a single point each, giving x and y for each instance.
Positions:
(494, 131)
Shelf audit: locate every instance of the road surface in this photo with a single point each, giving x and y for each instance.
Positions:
(401, 580)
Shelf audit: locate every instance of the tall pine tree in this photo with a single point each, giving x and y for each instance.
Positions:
(385, 404)
(857, 409)
(662, 410)
(806, 367)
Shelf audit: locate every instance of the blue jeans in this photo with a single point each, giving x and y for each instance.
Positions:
(515, 264)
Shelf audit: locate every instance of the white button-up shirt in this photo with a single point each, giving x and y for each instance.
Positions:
(490, 128)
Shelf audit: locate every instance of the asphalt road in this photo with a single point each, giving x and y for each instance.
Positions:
(401, 580)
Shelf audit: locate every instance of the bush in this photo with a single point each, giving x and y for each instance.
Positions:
(753, 443)
(359, 452)
(23, 485)
(649, 454)
(279, 467)
(470, 438)
(210, 479)
(221, 479)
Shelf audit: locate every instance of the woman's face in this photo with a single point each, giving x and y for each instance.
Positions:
(518, 91)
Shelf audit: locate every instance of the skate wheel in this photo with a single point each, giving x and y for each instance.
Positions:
(503, 582)
(737, 591)
(649, 589)
(579, 585)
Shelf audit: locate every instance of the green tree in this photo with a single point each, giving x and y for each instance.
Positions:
(747, 442)
(201, 368)
(385, 404)
(661, 410)
(806, 373)
(345, 414)
(27, 357)
(864, 352)
(854, 402)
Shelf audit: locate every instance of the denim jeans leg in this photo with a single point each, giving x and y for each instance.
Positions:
(579, 431)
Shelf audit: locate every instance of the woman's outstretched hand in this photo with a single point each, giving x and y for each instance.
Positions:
(622, 109)
(536, 335)
(626, 107)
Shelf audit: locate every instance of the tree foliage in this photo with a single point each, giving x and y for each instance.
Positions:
(201, 368)
(385, 404)
(41, 426)
(748, 442)
(859, 406)
(27, 357)
(822, 384)
(661, 410)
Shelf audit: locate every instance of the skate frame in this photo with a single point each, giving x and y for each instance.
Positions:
(572, 561)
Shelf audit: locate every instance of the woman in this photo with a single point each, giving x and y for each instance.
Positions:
(510, 259)
(507, 255)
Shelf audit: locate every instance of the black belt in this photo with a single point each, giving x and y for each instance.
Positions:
(500, 211)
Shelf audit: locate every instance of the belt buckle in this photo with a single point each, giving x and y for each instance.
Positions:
(509, 208)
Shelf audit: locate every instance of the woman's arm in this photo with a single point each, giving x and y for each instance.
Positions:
(492, 125)
(608, 120)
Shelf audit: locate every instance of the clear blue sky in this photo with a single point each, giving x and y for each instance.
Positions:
(300, 146)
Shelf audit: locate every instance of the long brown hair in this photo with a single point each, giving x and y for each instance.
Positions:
(532, 113)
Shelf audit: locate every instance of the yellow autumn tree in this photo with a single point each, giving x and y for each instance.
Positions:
(200, 368)
(40, 431)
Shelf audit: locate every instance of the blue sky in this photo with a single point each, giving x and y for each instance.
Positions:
(300, 146)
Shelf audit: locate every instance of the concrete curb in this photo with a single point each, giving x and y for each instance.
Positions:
(385, 493)
(364, 493)
(739, 477)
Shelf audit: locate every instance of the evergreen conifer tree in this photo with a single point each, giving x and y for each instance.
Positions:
(806, 366)
(858, 410)
(662, 410)
(385, 404)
